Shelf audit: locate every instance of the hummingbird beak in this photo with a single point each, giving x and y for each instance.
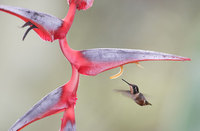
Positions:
(126, 82)
(131, 89)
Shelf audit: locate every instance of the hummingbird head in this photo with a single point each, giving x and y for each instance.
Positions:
(134, 88)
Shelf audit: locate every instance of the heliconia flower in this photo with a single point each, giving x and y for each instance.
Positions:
(81, 4)
(48, 27)
(59, 100)
(87, 62)
(94, 61)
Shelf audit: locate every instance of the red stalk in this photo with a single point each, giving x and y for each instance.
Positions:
(67, 22)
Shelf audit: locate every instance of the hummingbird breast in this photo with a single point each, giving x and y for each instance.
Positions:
(140, 99)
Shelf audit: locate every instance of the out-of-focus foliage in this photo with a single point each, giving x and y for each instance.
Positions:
(32, 68)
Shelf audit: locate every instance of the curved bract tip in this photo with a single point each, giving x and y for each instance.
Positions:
(102, 59)
(47, 25)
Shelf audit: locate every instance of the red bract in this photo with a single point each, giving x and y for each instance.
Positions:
(48, 27)
(94, 61)
(81, 4)
(60, 99)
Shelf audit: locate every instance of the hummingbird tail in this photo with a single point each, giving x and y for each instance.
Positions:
(147, 103)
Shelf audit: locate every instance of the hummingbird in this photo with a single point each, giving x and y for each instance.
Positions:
(135, 94)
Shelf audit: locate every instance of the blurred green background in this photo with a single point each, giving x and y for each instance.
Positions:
(32, 68)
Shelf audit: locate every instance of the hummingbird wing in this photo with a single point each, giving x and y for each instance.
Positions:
(124, 92)
(94, 61)
(47, 25)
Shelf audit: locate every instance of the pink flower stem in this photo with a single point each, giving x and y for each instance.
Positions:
(68, 20)
(68, 52)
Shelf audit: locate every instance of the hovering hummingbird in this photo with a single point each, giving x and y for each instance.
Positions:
(135, 94)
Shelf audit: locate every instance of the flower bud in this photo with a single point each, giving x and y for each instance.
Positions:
(81, 4)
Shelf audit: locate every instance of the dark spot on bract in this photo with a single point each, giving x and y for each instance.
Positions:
(28, 11)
